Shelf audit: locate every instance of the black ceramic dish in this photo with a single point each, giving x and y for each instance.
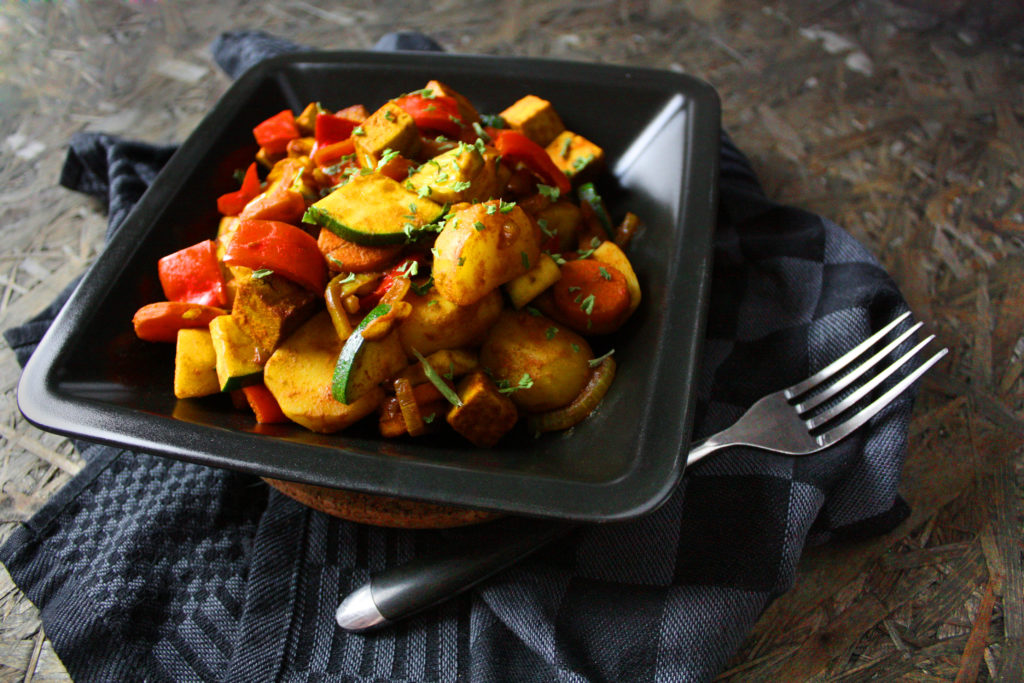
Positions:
(92, 378)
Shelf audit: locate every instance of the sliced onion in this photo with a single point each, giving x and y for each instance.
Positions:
(336, 307)
(581, 406)
(410, 408)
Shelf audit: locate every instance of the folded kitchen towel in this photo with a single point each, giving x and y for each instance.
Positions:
(146, 568)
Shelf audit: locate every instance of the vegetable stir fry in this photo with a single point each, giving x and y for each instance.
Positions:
(421, 263)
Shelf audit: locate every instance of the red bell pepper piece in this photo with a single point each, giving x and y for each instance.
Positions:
(282, 248)
(331, 128)
(274, 134)
(403, 269)
(193, 275)
(329, 155)
(264, 405)
(517, 148)
(232, 203)
(439, 113)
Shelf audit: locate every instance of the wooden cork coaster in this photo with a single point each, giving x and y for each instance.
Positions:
(380, 510)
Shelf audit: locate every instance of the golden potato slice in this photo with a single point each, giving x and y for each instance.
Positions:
(299, 375)
(540, 365)
(481, 247)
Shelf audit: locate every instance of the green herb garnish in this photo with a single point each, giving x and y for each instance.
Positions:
(436, 380)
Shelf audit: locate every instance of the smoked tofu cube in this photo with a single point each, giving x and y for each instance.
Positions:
(535, 118)
(270, 308)
(388, 128)
(577, 157)
(486, 414)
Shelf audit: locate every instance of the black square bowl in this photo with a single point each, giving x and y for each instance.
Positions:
(92, 378)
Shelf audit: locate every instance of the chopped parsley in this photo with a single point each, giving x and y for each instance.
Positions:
(533, 311)
(587, 305)
(460, 185)
(551, 332)
(351, 277)
(358, 130)
(437, 381)
(526, 260)
(479, 226)
(548, 191)
(386, 157)
(481, 133)
(261, 273)
(506, 387)
(566, 143)
(604, 273)
(543, 224)
(594, 362)
(580, 162)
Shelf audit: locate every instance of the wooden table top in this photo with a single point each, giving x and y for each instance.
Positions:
(901, 121)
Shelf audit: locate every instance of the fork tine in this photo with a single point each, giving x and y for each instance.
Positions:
(846, 428)
(814, 380)
(847, 379)
(866, 388)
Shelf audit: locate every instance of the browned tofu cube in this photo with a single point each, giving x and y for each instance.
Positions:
(466, 109)
(270, 308)
(579, 158)
(388, 128)
(485, 414)
(535, 118)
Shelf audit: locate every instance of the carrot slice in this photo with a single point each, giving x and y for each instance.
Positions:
(591, 297)
(161, 321)
(264, 405)
(286, 206)
(350, 257)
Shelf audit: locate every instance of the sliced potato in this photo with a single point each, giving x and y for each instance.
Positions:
(481, 247)
(436, 323)
(195, 364)
(541, 365)
(299, 375)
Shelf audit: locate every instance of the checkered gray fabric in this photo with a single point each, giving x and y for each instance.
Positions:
(152, 569)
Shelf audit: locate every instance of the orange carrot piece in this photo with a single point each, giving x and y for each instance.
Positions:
(286, 206)
(591, 297)
(343, 255)
(397, 168)
(264, 405)
(161, 321)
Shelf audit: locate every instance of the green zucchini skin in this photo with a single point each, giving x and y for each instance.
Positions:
(344, 371)
(374, 211)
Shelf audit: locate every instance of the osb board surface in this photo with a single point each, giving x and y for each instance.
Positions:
(902, 122)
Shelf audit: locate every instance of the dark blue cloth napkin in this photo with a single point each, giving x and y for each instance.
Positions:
(147, 568)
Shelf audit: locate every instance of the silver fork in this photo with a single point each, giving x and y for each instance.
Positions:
(798, 420)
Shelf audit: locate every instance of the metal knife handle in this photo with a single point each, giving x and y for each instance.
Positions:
(424, 582)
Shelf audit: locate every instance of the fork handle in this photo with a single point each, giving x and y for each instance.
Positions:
(699, 449)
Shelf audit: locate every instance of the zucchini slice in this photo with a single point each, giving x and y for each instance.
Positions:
(239, 360)
(374, 210)
(363, 364)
